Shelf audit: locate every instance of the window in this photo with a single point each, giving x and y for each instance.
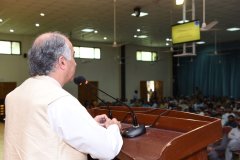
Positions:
(87, 52)
(146, 56)
(10, 47)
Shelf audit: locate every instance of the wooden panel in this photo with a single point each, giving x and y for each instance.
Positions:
(156, 111)
(148, 146)
(193, 141)
(2, 111)
(164, 112)
(178, 124)
(125, 108)
(6, 87)
(143, 90)
(159, 89)
(180, 114)
(164, 122)
(200, 155)
(87, 94)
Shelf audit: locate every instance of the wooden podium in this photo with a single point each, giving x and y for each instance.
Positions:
(171, 135)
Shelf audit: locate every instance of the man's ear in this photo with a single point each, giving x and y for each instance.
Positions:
(62, 62)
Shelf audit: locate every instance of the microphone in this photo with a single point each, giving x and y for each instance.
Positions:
(136, 129)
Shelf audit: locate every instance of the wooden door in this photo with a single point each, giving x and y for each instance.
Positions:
(143, 90)
(158, 87)
(5, 88)
(88, 93)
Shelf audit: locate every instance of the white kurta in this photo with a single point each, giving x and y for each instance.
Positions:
(75, 125)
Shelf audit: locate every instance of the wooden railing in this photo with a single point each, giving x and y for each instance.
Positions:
(171, 135)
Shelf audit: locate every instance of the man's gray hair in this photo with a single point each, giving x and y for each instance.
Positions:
(45, 51)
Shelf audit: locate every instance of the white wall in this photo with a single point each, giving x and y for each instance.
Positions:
(137, 71)
(14, 68)
(106, 71)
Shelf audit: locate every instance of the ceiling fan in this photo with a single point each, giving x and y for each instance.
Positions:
(209, 26)
(216, 50)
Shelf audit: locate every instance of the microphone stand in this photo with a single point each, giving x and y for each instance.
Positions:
(109, 110)
(136, 129)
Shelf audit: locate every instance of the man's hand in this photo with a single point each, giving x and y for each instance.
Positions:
(104, 121)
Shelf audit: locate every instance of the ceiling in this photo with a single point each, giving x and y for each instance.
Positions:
(71, 16)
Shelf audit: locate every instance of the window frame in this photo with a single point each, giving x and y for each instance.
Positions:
(152, 59)
(84, 57)
(11, 47)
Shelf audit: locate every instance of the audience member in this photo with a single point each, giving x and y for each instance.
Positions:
(228, 111)
(234, 142)
(198, 105)
(231, 122)
(135, 96)
(216, 151)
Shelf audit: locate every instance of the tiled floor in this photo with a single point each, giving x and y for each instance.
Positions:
(1, 140)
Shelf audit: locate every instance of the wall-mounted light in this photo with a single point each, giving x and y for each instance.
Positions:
(142, 36)
(182, 21)
(179, 2)
(233, 29)
(200, 42)
(87, 30)
(42, 14)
